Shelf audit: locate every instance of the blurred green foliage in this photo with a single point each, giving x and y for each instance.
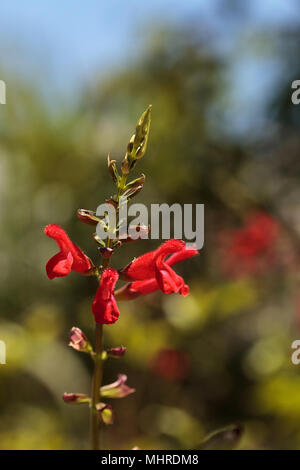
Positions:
(237, 332)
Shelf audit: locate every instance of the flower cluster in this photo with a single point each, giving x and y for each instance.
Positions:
(148, 273)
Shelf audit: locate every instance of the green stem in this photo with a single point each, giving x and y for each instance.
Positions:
(98, 364)
(121, 187)
(96, 384)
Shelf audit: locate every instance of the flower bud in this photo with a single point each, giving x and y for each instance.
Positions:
(137, 145)
(105, 413)
(105, 252)
(117, 389)
(98, 240)
(125, 165)
(76, 398)
(79, 341)
(112, 168)
(138, 142)
(131, 192)
(116, 352)
(112, 200)
(88, 217)
(137, 182)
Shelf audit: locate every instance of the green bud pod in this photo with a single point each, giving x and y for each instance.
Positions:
(137, 145)
(137, 182)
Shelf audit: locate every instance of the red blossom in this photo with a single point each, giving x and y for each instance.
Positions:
(152, 271)
(69, 258)
(104, 308)
(250, 250)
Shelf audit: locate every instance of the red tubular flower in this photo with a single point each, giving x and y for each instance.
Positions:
(69, 258)
(104, 308)
(152, 271)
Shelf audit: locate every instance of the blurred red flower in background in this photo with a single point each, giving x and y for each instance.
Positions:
(170, 364)
(251, 249)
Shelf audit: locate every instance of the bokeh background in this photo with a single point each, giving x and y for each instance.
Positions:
(224, 133)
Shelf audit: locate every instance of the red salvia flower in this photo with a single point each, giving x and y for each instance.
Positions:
(250, 249)
(104, 308)
(69, 258)
(152, 271)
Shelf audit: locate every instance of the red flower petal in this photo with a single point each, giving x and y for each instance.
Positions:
(187, 253)
(144, 266)
(164, 277)
(59, 266)
(104, 308)
(169, 282)
(70, 256)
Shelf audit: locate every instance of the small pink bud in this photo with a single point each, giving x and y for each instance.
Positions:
(117, 389)
(76, 398)
(79, 341)
(116, 352)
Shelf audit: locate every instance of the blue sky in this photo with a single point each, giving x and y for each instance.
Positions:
(70, 38)
(65, 43)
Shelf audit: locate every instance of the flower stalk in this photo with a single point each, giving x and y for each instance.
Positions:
(96, 384)
(148, 273)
